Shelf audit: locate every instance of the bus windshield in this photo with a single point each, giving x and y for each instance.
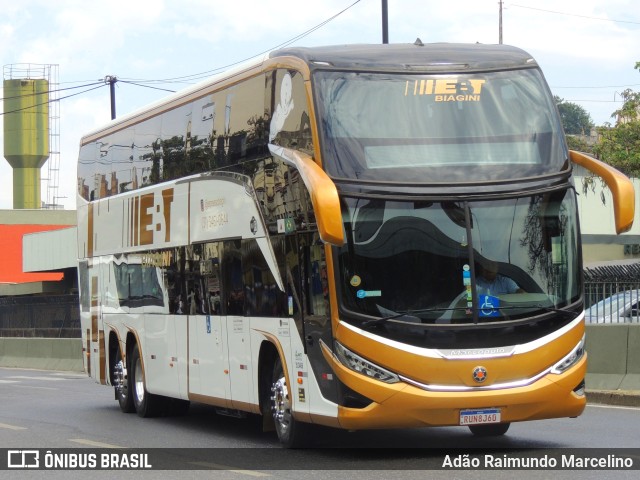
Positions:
(398, 127)
(446, 263)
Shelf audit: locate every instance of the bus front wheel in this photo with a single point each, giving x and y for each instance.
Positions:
(291, 433)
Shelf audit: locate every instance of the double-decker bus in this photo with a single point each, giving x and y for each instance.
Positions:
(360, 237)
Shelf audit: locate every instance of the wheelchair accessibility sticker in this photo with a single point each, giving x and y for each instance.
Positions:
(489, 306)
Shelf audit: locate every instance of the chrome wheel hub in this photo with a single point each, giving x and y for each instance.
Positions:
(280, 404)
(139, 382)
(120, 378)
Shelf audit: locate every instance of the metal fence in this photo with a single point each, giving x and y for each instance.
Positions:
(612, 292)
(47, 316)
(612, 301)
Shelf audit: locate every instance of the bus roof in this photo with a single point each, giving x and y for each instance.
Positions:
(434, 57)
(157, 106)
(416, 57)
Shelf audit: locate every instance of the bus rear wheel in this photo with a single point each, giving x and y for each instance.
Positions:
(146, 404)
(122, 386)
(492, 430)
(291, 433)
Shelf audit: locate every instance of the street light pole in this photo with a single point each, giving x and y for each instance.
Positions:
(500, 24)
(111, 80)
(385, 22)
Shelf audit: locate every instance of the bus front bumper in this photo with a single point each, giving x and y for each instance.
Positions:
(401, 405)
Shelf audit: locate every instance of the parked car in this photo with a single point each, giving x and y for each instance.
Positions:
(621, 307)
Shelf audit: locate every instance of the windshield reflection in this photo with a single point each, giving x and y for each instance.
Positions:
(403, 128)
(458, 263)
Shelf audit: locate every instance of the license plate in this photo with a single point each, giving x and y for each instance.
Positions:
(480, 417)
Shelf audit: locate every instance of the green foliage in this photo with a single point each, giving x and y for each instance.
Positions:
(575, 119)
(576, 143)
(630, 108)
(619, 146)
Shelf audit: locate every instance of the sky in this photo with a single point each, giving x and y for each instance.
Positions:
(587, 49)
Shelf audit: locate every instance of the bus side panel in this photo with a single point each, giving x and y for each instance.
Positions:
(208, 364)
(307, 400)
(160, 352)
(240, 367)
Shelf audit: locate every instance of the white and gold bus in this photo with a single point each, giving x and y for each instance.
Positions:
(367, 236)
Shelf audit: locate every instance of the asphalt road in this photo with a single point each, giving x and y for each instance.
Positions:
(44, 410)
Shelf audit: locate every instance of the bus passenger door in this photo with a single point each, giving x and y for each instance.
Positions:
(208, 364)
(237, 325)
(316, 324)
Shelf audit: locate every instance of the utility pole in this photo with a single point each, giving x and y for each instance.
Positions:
(111, 80)
(385, 22)
(500, 23)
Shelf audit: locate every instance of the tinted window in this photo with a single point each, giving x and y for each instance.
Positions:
(479, 126)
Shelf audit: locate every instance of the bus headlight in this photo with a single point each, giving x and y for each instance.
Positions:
(574, 356)
(365, 367)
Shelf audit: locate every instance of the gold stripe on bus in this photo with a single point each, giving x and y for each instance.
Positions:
(87, 352)
(208, 400)
(103, 358)
(246, 406)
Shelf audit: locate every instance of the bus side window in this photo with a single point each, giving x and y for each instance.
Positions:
(233, 291)
(315, 275)
(292, 276)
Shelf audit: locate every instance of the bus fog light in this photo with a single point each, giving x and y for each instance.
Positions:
(570, 360)
(358, 364)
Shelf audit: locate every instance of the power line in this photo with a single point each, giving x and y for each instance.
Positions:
(201, 75)
(184, 79)
(50, 101)
(146, 86)
(604, 86)
(575, 15)
(594, 101)
(24, 95)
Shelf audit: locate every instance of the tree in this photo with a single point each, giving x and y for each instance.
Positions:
(619, 146)
(576, 143)
(575, 119)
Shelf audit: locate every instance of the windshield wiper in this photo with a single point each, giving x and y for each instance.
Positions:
(557, 310)
(380, 321)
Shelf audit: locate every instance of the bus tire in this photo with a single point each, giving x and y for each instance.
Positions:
(124, 395)
(291, 433)
(492, 430)
(146, 404)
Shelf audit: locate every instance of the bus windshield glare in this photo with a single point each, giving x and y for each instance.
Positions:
(399, 128)
(459, 263)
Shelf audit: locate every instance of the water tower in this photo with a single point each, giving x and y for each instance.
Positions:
(26, 129)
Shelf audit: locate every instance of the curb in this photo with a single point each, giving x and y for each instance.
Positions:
(621, 398)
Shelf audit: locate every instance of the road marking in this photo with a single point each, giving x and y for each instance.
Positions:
(37, 388)
(620, 407)
(71, 375)
(217, 466)
(11, 427)
(92, 443)
(47, 379)
(8, 381)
